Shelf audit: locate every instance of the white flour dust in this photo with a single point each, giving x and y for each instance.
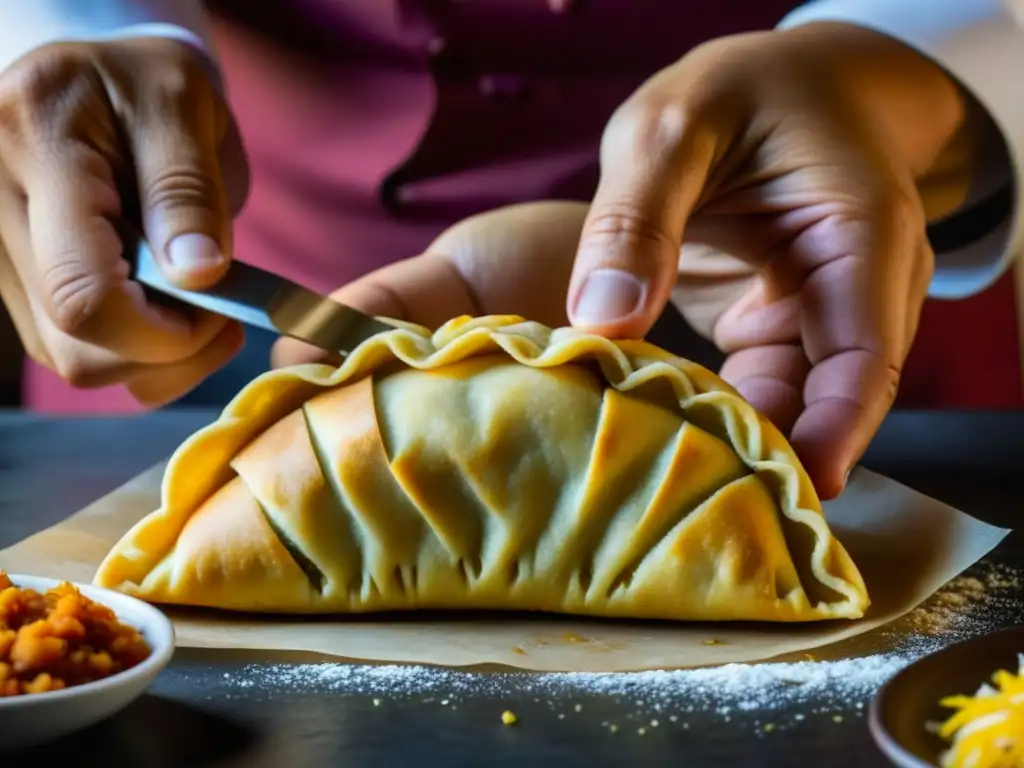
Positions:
(732, 687)
(777, 694)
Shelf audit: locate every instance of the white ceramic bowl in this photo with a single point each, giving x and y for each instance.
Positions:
(40, 717)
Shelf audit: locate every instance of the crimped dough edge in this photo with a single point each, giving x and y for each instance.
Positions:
(625, 364)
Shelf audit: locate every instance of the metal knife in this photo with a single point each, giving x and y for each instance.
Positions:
(264, 300)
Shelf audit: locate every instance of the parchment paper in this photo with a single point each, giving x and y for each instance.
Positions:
(906, 544)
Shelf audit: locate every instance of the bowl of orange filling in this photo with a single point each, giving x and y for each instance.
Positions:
(72, 655)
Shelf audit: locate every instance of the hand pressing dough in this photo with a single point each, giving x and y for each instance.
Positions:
(494, 464)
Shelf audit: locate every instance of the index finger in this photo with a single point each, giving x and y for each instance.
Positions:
(76, 267)
(655, 160)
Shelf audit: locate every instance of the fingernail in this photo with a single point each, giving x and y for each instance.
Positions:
(608, 295)
(846, 477)
(194, 252)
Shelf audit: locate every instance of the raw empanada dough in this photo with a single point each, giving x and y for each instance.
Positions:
(493, 464)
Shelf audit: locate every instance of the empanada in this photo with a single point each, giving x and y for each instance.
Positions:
(494, 464)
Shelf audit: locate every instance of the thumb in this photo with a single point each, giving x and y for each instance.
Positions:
(184, 207)
(653, 168)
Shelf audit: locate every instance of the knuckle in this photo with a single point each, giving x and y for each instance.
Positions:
(37, 90)
(623, 223)
(652, 125)
(662, 125)
(160, 69)
(74, 295)
(878, 198)
(922, 273)
(884, 372)
(64, 357)
(658, 124)
(180, 84)
(75, 371)
(893, 375)
(181, 187)
(880, 217)
(160, 85)
(897, 207)
(896, 221)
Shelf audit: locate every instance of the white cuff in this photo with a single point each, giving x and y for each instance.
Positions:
(981, 43)
(36, 23)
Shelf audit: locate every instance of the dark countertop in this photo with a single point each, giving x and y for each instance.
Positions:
(195, 715)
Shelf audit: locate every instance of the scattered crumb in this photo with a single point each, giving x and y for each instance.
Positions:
(1002, 578)
(641, 730)
(508, 717)
(654, 723)
(713, 641)
(760, 698)
(945, 609)
(519, 649)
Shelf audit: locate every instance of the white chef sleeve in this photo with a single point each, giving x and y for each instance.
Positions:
(981, 43)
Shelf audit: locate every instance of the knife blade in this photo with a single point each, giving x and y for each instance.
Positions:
(264, 300)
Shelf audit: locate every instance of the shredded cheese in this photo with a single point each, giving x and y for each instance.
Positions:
(987, 729)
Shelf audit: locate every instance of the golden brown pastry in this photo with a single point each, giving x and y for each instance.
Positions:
(493, 464)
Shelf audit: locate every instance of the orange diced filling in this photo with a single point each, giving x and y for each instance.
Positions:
(60, 638)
